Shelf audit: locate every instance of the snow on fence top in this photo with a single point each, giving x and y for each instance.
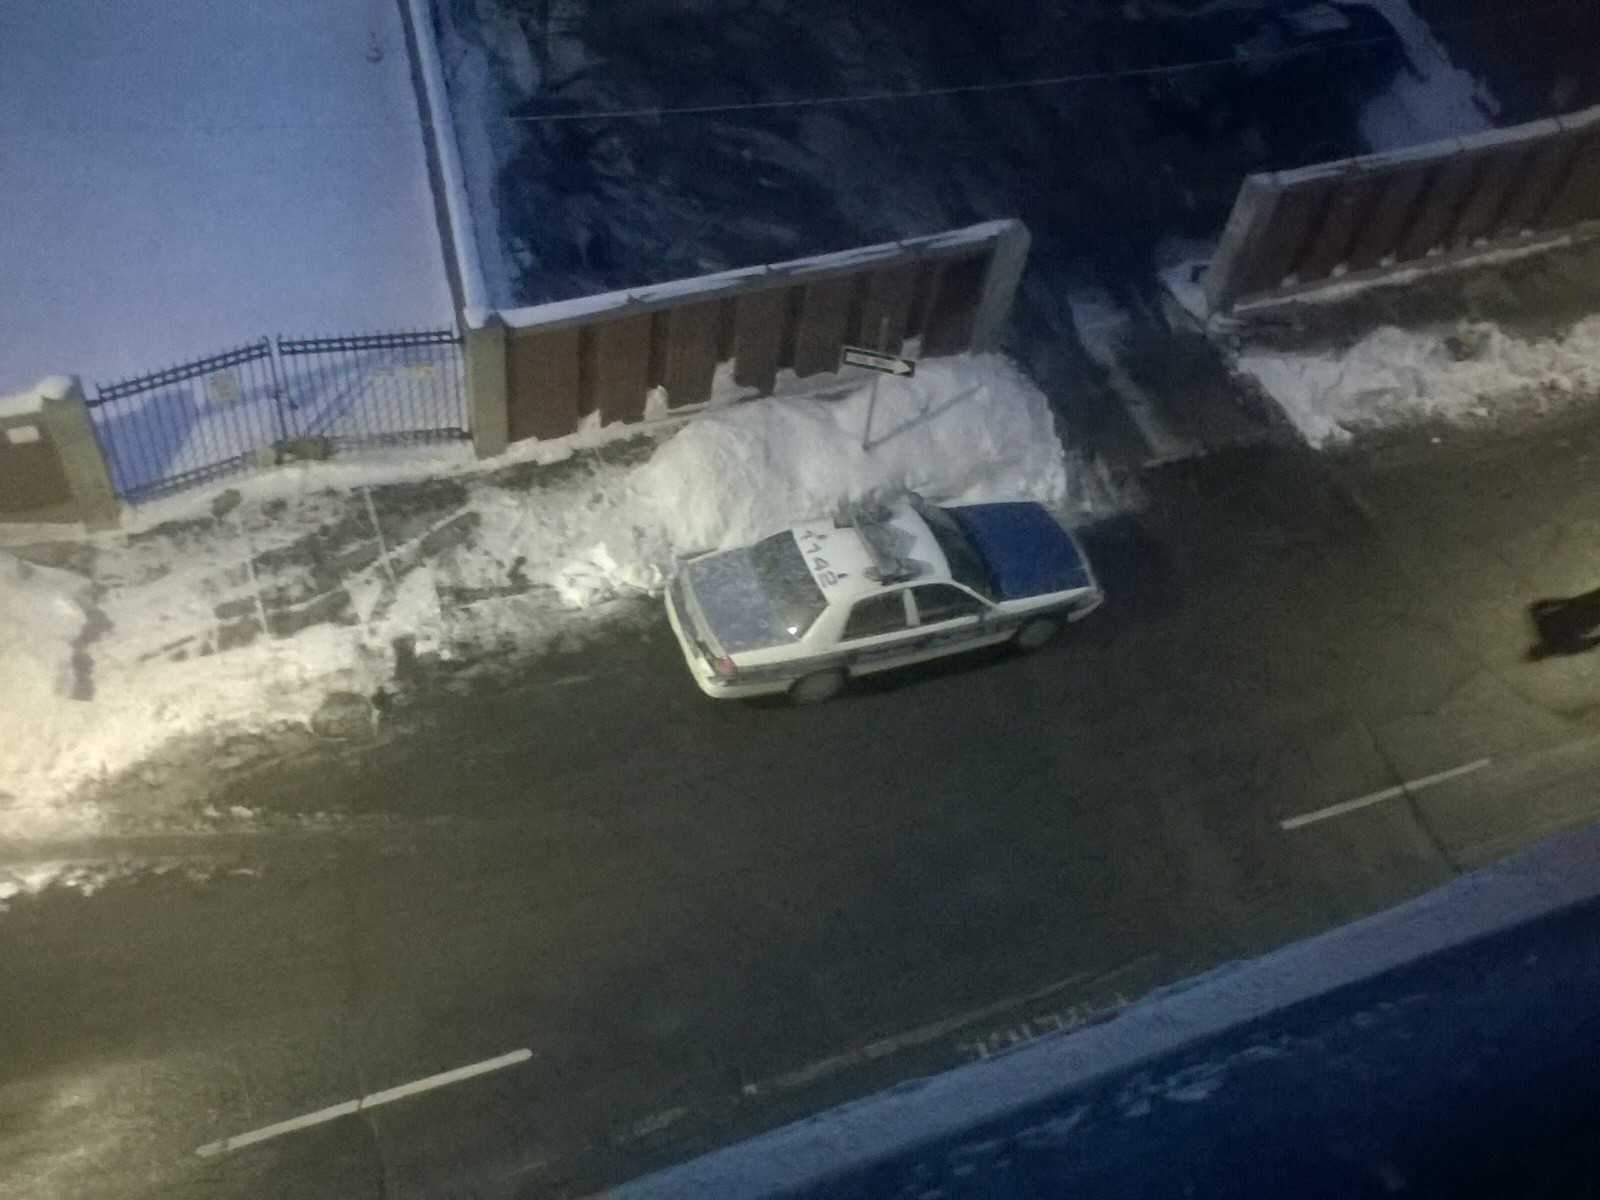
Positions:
(26, 403)
(562, 312)
(474, 291)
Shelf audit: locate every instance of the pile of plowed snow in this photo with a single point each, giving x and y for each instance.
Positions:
(1395, 377)
(961, 429)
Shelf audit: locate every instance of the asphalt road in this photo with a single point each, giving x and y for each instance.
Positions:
(702, 919)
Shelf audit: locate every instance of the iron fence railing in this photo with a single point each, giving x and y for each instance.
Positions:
(197, 421)
(187, 424)
(380, 388)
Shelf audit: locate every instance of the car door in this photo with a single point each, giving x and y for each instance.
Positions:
(879, 632)
(951, 619)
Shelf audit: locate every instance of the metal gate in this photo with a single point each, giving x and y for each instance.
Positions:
(375, 389)
(189, 424)
(264, 402)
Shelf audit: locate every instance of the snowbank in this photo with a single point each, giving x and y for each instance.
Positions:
(148, 652)
(42, 619)
(1400, 377)
(961, 429)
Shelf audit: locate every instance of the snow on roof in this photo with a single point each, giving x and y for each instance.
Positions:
(474, 292)
(142, 222)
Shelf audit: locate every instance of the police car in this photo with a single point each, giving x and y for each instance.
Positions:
(873, 587)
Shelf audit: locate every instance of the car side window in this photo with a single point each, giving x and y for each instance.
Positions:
(941, 602)
(875, 615)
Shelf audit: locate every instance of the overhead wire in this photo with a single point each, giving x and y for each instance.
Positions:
(1234, 60)
(909, 94)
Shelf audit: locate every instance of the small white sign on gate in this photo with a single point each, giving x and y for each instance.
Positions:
(222, 387)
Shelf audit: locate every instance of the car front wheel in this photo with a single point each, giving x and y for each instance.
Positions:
(816, 688)
(1034, 633)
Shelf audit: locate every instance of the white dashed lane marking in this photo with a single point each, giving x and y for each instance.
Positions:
(334, 1111)
(1389, 793)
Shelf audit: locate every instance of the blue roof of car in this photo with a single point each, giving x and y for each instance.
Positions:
(1026, 551)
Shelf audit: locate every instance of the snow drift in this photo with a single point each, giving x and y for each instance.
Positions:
(1395, 377)
(966, 428)
(43, 619)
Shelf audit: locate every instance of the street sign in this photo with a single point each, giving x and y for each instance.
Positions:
(876, 360)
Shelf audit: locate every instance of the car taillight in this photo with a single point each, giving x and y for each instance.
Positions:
(724, 668)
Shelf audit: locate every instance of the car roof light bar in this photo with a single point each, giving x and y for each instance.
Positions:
(871, 521)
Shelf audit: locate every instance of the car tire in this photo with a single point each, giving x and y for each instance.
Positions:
(1034, 633)
(816, 688)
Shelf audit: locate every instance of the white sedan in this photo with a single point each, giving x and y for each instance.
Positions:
(872, 588)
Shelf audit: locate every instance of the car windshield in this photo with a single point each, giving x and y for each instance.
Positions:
(966, 567)
(796, 599)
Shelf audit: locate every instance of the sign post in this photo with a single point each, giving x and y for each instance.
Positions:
(880, 364)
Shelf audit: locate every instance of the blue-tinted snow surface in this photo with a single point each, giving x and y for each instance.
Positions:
(184, 177)
(1472, 1073)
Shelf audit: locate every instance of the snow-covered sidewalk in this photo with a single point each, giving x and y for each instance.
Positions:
(245, 608)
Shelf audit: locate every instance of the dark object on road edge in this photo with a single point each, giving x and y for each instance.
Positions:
(1567, 626)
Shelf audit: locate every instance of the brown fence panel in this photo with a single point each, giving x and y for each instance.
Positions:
(922, 288)
(1543, 172)
(1299, 213)
(604, 353)
(691, 334)
(824, 321)
(1348, 208)
(1441, 203)
(758, 338)
(617, 368)
(886, 308)
(1379, 235)
(1578, 198)
(953, 303)
(544, 382)
(1301, 227)
(1480, 214)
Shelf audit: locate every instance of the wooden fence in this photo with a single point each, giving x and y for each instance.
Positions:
(539, 372)
(1291, 229)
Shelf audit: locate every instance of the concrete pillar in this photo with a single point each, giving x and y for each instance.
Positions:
(64, 414)
(1000, 286)
(486, 386)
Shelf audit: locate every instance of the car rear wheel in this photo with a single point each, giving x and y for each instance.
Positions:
(1034, 633)
(816, 688)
